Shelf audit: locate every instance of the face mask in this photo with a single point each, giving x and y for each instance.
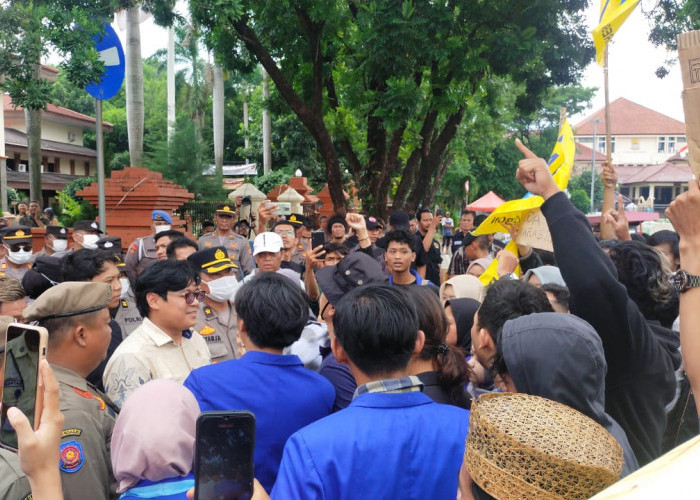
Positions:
(125, 286)
(19, 257)
(160, 229)
(59, 245)
(223, 289)
(90, 241)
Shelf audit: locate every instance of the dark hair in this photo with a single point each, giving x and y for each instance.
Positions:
(179, 243)
(665, 236)
(85, 264)
(284, 223)
(172, 233)
(561, 294)
(640, 237)
(242, 222)
(483, 242)
(478, 219)
(640, 269)
(208, 223)
(411, 216)
(452, 368)
(377, 325)
(467, 212)
(608, 244)
(336, 247)
(336, 219)
(162, 277)
(399, 236)
(272, 292)
(422, 211)
(509, 299)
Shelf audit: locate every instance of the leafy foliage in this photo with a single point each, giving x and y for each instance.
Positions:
(580, 200)
(582, 182)
(266, 183)
(72, 207)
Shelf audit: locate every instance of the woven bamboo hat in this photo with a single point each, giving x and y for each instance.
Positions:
(521, 446)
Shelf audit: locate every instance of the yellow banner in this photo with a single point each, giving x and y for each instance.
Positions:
(612, 14)
(491, 273)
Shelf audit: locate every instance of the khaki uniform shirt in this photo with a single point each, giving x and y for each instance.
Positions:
(19, 386)
(299, 255)
(127, 314)
(221, 336)
(140, 255)
(84, 459)
(150, 353)
(237, 246)
(11, 272)
(14, 484)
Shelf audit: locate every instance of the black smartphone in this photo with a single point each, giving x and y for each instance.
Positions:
(318, 238)
(223, 458)
(24, 348)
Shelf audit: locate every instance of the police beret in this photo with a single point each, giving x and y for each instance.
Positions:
(355, 270)
(211, 260)
(86, 225)
(69, 298)
(16, 234)
(57, 231)
(160, 215)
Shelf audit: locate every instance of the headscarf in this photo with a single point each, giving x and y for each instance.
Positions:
(484, 262)
(463, 311)
(465, 286)
(546, 274)
(154, 435)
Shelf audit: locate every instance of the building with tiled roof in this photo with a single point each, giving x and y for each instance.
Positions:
(640, 136)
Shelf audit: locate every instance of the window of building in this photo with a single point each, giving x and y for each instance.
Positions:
(671, 145)
(601, 144)
(662, 145)
(634, 144)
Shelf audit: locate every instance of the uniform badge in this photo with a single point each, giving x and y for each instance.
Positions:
(3, 266)
(219, 254)
(206, 330)
(125, 303)
(71, 432)
(89, 395)
(71, 457)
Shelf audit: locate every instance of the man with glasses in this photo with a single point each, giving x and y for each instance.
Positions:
(17, 242)
(167, 296)
(224, 236)
(286, 230)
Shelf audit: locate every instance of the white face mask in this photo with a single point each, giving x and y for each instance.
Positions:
(223, 289)
(19, 257)
(90, 241)
(160, 229)
(59, 245)
(125, 286)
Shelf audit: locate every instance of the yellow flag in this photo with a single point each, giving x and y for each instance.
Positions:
(491, 273)
(612, 14)
(562, 160)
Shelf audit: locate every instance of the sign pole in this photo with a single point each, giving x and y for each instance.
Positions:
(100, 166)
(3, 163)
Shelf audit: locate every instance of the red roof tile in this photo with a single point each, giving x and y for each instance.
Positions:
(584, 153)
(667, 172)
(57, 110)
(630, 118)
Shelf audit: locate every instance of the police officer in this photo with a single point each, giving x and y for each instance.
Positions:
(216, 317)
(55, 242)
(303, 226)
(85, 234)
(142, 251)
(126, 314)
(236, 245)
(17, 242)
(77, 318)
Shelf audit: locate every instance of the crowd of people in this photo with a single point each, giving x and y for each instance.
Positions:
(359, 357)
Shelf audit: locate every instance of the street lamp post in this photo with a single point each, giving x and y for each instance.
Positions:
(595, 121)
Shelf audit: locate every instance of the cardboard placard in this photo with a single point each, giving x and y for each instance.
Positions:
(534, 231)
(689, 59)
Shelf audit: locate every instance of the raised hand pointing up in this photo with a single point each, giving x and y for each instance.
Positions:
(533, 173)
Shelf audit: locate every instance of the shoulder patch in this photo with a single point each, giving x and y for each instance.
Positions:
(206, 330)
(89, 395)
(71, 457)
(71, 432)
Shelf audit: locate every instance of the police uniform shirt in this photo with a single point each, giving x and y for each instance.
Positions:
(84, 459)
(220, 335)
(14, 484)
(11, 272)
(236, 245)
(140, 255)
(127, 315)
(300, 252)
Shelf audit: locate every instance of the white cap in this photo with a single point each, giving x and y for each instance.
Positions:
(267, 242)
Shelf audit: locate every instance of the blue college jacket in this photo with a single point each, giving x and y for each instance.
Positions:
(283, 395)
(383, 445)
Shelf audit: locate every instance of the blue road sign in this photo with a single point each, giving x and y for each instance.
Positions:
(110, 49)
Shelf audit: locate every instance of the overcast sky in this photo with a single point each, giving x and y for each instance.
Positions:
(632, 59)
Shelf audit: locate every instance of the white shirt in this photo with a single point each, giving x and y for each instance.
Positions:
(150, 353)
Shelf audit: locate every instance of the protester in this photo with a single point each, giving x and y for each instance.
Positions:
(208, 227)
(354, 453)
(334, 253)
(287, 232)
(180, 249)
(224, 235)
(473, 248)
(440, 366)
(163, 239)
(167, 296)
(34, 217)
(448, 226)
(460, 317)
(142, 251)
(558, 297)
(466, 224)
(77, 318)
(85, 234)
(45, 272)
(431, 255)
(462, 286)
(477, 266)
(253, 382)
(544, 275)
(631, 344)
(17, 242)
(216, 317)
(337, 229)
(399, 256)
(150, 459)
(667, 242)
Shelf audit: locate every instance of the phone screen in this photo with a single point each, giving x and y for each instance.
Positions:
(224, 455)
(318, 238)
(20, 373)
(283, 208)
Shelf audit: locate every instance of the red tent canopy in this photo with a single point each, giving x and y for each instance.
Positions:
(487, 203)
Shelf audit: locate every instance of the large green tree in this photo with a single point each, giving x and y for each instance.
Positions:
(386, 84)
(29, 31)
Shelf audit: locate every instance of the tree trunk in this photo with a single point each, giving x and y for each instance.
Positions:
(33, 118)
(134, 87)
(218, 115)
(266, 126)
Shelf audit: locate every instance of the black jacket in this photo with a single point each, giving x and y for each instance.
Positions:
(640, 380)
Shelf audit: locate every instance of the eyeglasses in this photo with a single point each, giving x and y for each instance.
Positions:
(190, 296)
(285, 231)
